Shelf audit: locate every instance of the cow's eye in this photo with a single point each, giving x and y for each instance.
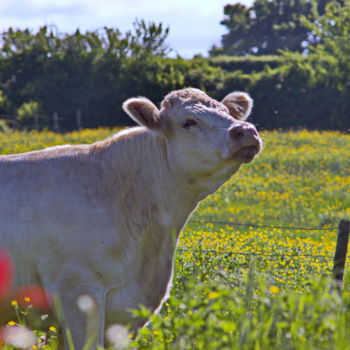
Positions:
(189, 123)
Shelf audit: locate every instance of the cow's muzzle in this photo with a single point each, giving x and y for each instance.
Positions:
(247, 142)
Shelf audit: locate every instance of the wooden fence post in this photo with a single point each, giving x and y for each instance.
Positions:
(340, 254)
(56, 126)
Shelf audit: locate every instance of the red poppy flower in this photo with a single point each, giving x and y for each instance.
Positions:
(6, 273)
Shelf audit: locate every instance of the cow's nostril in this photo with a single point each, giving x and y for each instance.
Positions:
(241, 131)
(237, 134)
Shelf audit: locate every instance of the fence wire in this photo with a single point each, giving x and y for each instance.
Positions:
(319, 256)
(229, 223)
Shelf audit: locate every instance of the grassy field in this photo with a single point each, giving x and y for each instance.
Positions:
(239, 285)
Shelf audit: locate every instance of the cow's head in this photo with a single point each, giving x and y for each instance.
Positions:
(205, 138)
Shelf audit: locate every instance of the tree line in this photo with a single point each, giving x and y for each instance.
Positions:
(88, 75)
(268, 26)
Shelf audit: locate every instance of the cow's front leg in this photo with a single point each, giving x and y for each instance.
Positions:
(81, 312)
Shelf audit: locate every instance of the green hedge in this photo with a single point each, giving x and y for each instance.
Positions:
(299, 92)
(246, 64)
(302, 92)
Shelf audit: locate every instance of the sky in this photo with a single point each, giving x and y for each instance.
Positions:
(194, 24)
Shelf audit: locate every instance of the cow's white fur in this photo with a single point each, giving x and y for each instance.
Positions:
(103, 219)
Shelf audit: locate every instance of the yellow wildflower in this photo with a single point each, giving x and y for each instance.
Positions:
(213, 295)
(274, 289)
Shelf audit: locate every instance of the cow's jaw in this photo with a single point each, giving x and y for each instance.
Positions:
(246, 154)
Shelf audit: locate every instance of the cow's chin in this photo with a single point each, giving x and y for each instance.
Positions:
(246, 154)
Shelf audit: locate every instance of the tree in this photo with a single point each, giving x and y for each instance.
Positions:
(330, 40)
(266, 27)
(310, 91)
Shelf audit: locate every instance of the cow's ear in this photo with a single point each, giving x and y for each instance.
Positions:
(239, 104)
(143, 111)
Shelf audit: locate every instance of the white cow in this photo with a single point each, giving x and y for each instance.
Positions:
(103, 219)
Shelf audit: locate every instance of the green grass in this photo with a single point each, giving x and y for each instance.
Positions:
(251, 287)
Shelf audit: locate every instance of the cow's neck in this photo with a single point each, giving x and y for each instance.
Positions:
(150, 205)
(145, 186)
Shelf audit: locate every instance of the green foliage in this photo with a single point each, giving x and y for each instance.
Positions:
(27, 111)
(264, 28)
(267, 27)
(64, 72)
(330, 31)
(314, 89)
(245, 64)
(150, 38)
(4, 127)
(93, 72)
(4, 103)
(18, 316)
(255, 316)
(302, 91)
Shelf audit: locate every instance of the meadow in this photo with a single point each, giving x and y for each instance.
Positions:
(253, 263)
